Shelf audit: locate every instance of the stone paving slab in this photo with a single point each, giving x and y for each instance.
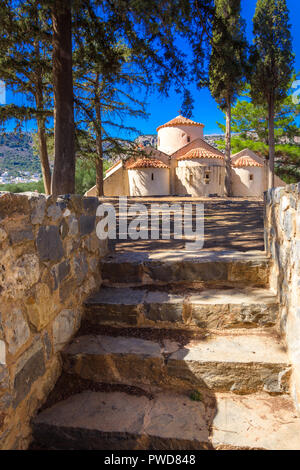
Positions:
(116, 421)
(112, 296)
(231, 362)
(119, 421)
(109, 345)
(241, 348)
(229, 267)
(253, 256)
(212, 308)
(255, 422)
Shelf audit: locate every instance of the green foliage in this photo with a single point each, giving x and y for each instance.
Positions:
(105, 98)
(16, 153)
(85, 179)
(238, 144)
(195, 395)
(248, 117)
(25, 67)
(250, 122)
(23, 187)
(120, 48)
(272, 58)
(25, 61)
(228, 55)
(85, 176)
(287, 161)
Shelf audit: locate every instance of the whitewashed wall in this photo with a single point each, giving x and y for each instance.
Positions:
(142, 184)
(171, 139)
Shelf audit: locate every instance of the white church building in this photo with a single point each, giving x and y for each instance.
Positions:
(185, 164)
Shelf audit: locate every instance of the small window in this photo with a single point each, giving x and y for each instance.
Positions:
(191, 177)
(188, 138)
(207, 178)
(152, 176)
(251, 177)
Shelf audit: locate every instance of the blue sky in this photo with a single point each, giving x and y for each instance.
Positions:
(206, 110)
(162, 109)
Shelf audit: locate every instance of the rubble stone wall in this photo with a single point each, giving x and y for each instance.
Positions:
(49, 264)
(282, 238)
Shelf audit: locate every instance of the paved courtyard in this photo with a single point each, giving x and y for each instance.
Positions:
(230, 224)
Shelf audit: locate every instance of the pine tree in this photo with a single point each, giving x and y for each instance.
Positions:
(102, 108)
(251, 127)
(272, 62)
(250, 120)
(63, 181)
(147, 27)
(25, 68)
(106, 89)
(227, 65)
(104, 97)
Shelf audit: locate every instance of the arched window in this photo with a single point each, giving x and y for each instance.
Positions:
(207, 177)
(152, 176)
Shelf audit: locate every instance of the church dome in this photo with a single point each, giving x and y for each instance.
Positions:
(180, 121)
(176, 133)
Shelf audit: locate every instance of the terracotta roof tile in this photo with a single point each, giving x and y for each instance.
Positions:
(145, 163)
(246, 161)
(203, 151)
(180, 121)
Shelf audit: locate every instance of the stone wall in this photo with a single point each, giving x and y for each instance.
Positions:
(49, 263)
(282, 237)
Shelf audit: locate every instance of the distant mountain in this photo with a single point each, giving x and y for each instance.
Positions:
(147, 140)
(151, 139)
(17, 154)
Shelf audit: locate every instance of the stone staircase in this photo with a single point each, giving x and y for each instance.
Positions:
(177, 351)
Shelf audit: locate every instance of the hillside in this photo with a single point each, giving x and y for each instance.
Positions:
(17, 155)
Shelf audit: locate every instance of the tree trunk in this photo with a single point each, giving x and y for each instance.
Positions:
(271, 175)
(99, 169)
(98, 129)
(63, 180)
(228, 150)
(44, 156)
(43, 152)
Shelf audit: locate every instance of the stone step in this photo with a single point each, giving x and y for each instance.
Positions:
(119, 421)
(240, 362)
(227, 268)
(209, 309)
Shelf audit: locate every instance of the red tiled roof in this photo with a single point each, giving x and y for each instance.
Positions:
(246, 161)
(180, 121)
(145, 163)
(205, 151)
